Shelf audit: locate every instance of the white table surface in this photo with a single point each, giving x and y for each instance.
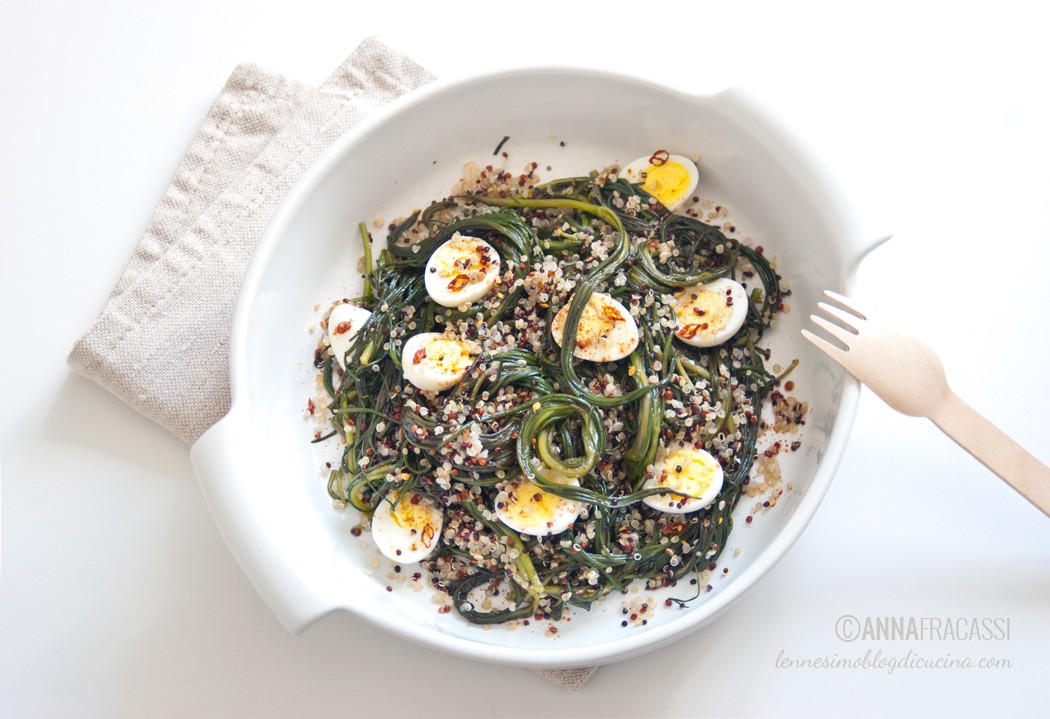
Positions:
(118, 597)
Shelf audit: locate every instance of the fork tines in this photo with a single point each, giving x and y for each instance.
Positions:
(846, 325)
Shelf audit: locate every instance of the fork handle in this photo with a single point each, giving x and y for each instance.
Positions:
(995, 450)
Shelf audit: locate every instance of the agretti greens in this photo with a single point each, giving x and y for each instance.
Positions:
(529, 408)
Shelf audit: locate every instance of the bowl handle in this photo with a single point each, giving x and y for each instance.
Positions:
(219, 457)
(857, 248)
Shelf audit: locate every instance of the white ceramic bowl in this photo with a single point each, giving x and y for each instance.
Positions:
(261, 474)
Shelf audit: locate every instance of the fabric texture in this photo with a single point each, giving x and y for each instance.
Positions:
(570, 679)
(161, 343)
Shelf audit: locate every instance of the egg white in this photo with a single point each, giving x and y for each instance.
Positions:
(433, 362)
(710, 314)
(686, 469)
(607, 332)
(671, 181)
(461, 271)
(344, 322)
(410, 531)
(533, 511)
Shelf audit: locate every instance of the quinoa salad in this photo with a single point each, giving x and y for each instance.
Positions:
(549, 392)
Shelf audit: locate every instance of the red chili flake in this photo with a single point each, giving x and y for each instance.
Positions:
(310, 406)
(674, 528)
(689, 331)
(612, 313)
(458, 283)
(789, 385)
(428, 536)
(420, 355)
(659, 157)
(342, 328)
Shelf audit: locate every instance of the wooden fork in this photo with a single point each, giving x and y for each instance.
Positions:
(909, 377)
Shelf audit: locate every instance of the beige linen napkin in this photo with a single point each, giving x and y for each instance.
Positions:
(161, 342)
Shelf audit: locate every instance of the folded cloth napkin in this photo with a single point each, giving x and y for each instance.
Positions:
(161, 342)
